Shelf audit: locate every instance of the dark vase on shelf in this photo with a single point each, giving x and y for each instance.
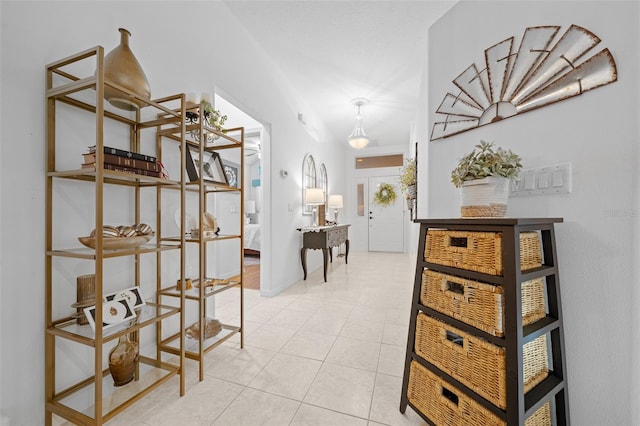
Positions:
(122, 68)
(123, 359)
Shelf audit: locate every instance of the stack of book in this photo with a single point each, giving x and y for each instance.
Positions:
(123, 161)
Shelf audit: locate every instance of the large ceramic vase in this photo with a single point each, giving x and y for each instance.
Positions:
(123, 359)
(122, 68)
(484, 197)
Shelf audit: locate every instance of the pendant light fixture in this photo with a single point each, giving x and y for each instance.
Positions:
(358, 138)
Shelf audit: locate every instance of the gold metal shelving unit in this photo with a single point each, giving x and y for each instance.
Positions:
(93, 400)
(199, 192)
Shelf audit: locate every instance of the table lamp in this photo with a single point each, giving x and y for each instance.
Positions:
(335, 203)
(314, 197)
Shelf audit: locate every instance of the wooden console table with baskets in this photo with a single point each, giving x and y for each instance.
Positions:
(486, 342)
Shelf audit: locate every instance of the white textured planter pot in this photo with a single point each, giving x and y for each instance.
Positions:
(484, 197)
(411, 190)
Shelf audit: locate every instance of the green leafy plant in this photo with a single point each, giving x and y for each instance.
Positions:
(408, 174)
(213, 116)
(485, 161)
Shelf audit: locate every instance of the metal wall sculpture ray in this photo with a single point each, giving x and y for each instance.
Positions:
(513, 82)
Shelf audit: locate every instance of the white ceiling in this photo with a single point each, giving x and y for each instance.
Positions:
(334, 51)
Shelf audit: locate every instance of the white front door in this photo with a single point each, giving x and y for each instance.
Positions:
(386, 223)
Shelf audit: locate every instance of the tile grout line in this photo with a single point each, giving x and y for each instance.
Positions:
(375, 380)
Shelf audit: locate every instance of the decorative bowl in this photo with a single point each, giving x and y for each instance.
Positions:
(212, 327)
(117, 243)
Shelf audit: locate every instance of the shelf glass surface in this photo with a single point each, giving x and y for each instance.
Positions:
(192, 345)
(196, 240)
(82, 400)
(114, 177)
(194, 292)
(89, 253)
(148, 314)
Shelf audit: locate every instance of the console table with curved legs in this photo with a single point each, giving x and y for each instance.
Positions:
(324, 238)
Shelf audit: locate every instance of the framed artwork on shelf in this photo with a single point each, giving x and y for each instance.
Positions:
(133, 294)
(114, 312)
(212, 168)
(231, 170)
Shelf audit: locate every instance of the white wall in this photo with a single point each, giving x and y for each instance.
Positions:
(181, 48)
(597, 132)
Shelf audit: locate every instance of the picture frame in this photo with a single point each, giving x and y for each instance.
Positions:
(133, 294)
(213, 169)
(232, 171)
(114, 312)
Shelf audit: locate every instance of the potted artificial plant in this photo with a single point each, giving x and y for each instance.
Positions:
(408, 181)
(483, 176)
(408, 178)
(213, 116)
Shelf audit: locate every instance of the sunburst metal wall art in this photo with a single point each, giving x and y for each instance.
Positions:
(513, 82)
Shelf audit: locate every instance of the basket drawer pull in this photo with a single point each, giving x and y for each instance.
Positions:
(449, 398)
(454, 341)
(454, 290)
(460, 244)
(454, 287)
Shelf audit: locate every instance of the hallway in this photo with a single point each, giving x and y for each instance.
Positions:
(319, 354)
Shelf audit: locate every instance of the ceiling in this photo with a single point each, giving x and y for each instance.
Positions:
(334, 51)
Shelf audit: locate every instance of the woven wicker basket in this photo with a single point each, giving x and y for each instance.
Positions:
(478, 304)
(478, 364)
(443, 404)
(478, 251)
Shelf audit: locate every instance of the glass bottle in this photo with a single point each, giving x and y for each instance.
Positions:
(123, 359)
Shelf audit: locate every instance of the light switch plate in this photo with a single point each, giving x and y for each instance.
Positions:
(529, 181)
(543, 180)
(554, 179)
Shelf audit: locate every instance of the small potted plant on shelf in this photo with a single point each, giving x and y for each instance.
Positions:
(408, 179)
(213, 116)
(483, 176)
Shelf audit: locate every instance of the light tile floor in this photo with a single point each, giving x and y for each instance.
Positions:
(318, 354)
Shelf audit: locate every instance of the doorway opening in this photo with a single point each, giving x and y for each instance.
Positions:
(378, 227)
(254, 204)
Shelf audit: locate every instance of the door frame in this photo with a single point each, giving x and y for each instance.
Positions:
(358, 240)
(265, 183)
